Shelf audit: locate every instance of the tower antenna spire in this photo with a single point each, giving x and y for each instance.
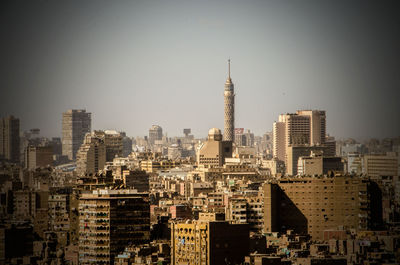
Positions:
(229, 68)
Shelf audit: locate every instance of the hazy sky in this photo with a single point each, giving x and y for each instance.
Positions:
(137, 63)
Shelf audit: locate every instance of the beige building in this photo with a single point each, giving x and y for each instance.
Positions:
(313, 205)
(152, 166)
(319, 165)
(274, 166)
(380, 165)
(109, 221)
(75, 124)
(309, 165)
(91, 156)
(304, 128)
(293, 154)
(212, 153)
(208, 242)
(9, 139)
(279, 140)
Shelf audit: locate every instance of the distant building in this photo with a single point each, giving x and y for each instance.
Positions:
(279, 140)
(209, 242)
(126, 145)
(274, 166)
(243, 138)
(319, 165)
(155, 134)
(136, 179)
(110, 221)
(75, 124)
(38, 156)
(113, 142)
(9, 139)
(91, 156)
(354, 164)
(304, 128)
(380, 165)
(212, 153)
(294, 152)
(151, 166)
(187, 132)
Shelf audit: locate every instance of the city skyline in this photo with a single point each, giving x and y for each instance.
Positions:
(137, 64)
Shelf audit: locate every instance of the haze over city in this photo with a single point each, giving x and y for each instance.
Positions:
(133, 64)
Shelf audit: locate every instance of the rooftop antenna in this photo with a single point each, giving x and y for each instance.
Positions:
(229, 68)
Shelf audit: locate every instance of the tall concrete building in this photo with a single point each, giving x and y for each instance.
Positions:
(75, 124)
(155, 134)
(278, 140)
(113, 142)
(110, 221)
(229, 107)
(305, 128)
(9, 139)
(91, 156)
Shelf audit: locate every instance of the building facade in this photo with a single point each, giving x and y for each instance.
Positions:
(212, 153)
(155, 134)
(109, 221)
(38, 156)
(305, 128)
(9, 139)
(75, 124)
(313, 205)
(113, 142)
(209, 242)
(91, 156)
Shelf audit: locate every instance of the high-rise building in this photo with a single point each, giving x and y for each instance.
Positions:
(229, 107)
(110, 221)
(209, 242)
(75, 124)
(155, 134)
(91, 156)
(305, 128)
(315, 204)
(9, 139)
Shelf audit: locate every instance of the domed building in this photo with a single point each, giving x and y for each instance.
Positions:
(212, 153)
